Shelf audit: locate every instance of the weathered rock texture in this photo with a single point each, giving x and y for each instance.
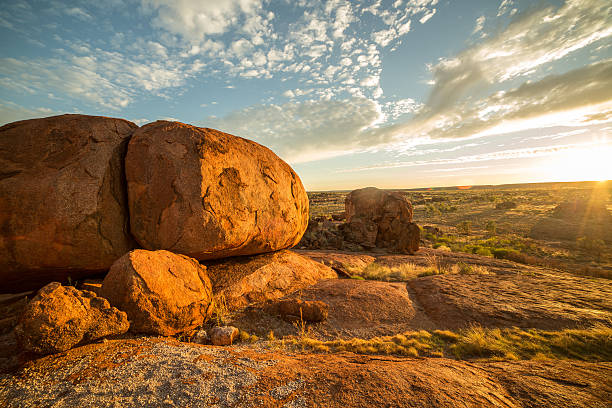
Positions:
(60, 317)
(298, 309)
(378, 218)
(63, 210)
(574, 219)
(223, 336)
(243, 280)
(161, 292)
(209, 195)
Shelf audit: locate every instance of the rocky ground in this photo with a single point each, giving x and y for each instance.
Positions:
(166, 373)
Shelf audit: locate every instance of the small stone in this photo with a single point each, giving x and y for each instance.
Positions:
(201, 337)
(223, 336)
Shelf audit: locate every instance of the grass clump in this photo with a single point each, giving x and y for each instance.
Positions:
(399, 273)
(592, 344)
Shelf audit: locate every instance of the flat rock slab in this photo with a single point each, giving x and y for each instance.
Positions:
(357, 261)
(357, 308)
(541, 300)
(240, 281)
(162, 373)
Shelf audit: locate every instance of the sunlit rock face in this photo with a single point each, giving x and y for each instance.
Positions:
(161, 292)
(208, 194)
(61, 317)
(63, 206)
(378, 218)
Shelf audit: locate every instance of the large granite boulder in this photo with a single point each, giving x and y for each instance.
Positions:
(61, 317)
(208, 194)
(378, 218)
(242, 280)
(161, 292)
(63, 211)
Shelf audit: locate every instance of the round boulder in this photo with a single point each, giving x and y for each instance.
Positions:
(63, 211)
(161, 292)
(209, 195)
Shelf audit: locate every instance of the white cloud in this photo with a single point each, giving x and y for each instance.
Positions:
(427, 16)
(529, 41)
(78, 13)
(305, 131)
(528, 152)
(11, 112)
(369, 81)
(193, 20)
(576, 98)
(384, 37)
(479, 25)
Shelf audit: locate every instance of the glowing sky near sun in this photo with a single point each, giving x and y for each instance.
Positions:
(395, 93)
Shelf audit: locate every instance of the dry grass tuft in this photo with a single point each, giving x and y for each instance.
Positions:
(593, 344)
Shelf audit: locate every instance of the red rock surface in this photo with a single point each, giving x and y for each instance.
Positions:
(161, 292)
(63, 211)
(243, 280)
(378, 218)
(60, 317)
(209, 195)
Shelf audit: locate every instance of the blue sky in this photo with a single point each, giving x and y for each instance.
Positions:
(395, 94)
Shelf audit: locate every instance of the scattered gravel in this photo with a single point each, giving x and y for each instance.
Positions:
(160, 374)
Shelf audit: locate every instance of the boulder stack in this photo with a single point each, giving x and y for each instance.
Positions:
(378, 218)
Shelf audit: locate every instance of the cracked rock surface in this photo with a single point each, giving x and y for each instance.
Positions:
(209, 195)
(161, 292)
(63, 211)
(60, 317)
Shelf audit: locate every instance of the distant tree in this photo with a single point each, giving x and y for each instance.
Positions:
(464, 227)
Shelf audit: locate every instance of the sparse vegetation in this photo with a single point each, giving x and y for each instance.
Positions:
(497, 222)
(592, 344)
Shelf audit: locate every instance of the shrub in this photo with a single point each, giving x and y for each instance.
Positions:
(464, 227)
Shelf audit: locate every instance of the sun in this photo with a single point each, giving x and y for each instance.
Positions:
(592, 163)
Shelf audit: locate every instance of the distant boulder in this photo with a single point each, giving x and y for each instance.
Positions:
(161, 292)
(378, 218)
(209, 195)
(63, 211)
(61, 317)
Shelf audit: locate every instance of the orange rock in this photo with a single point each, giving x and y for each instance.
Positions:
(209, 195)
(161, 292)
(63, 211)
(243, 280)
(378, 218)
(60, 317)
(296, 309)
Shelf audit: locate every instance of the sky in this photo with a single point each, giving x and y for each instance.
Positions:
(386, 93)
